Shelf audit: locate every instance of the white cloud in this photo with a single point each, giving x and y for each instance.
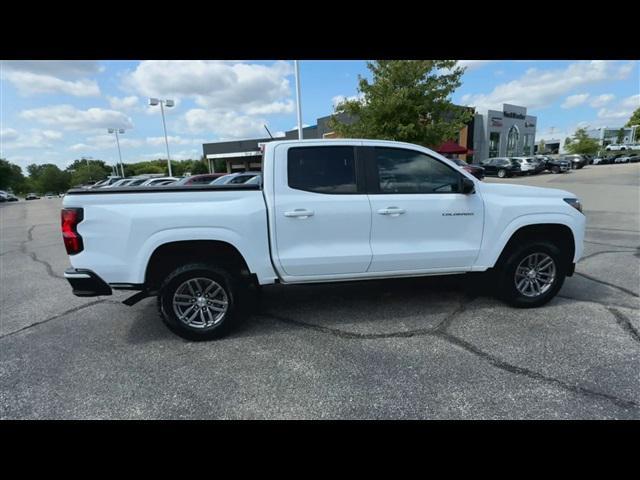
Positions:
(601, 100)
(473, 64)
(272, 108)
(573, 101)
(174, 140)
(56, 68)
(631, 102)
(540, 88)
(38, 77)
(623, 111)
(216, 84)
(71, 118)
(34, 138)
(30, 84)
(225, 125)
(124, 103)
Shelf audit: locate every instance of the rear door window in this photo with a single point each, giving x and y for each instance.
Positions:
(329, 170)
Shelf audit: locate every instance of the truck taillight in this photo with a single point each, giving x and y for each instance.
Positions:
(71, 217)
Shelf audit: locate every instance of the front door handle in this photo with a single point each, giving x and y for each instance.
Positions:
(299, 213)
(392, 211)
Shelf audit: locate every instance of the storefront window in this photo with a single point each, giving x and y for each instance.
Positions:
(512, 141)
(526, 149)
(494, 144)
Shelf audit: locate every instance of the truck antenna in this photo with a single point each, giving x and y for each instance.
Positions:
(265, 127)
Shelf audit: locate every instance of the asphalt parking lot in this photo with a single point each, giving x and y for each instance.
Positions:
(433, 348)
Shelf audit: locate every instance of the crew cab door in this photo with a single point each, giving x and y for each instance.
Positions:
(322, 213)
(420, 219)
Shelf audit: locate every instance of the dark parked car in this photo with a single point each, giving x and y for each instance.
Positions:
(576, 161)
(203, 179)
(11, 197)
(474, 170)
(31, 196)
(501, 166)
(634, 158)
(554, 165)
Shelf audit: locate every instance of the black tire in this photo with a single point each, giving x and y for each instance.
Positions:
(506, 273)
(198, 270)
(502, 173)
(555, 169)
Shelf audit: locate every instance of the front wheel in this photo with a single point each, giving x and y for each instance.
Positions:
(532, 274)
(197, 301)
(502, 173)
(555, 169)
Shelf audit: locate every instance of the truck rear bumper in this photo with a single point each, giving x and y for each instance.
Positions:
(86, 283)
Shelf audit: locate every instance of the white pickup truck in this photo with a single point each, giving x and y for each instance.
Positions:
(326, 211)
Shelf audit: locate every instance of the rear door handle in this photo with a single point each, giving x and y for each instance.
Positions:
(300, 213)
(392, 211)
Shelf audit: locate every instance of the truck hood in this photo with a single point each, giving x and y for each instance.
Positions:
(509, 190)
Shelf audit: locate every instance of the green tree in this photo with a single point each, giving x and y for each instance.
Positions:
(48, 178)
(581, 143)
(541, 147)
(407, 100)
(11, 177)
(634, 120)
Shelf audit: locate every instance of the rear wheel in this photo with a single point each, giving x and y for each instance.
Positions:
(555, 169)
(531, 274)
(198, 301)
(502, 173)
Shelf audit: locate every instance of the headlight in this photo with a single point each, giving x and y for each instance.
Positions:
(575, 203)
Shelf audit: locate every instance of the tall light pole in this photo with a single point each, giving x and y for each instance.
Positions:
(117, 131)
(168, 104)
(299, 106)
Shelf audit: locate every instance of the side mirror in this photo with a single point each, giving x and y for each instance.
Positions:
(468, 186)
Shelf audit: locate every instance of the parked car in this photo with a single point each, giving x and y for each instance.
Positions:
(48, 195)
(576, 161)
(474, 170)
(532, 165)
(634, 158)
(600, 160)
(318, 218)
(107, 181)
(615, 146)
(554, 165)
(501, 167)
(31, 196)
(202, 179)
(11, 197)
(156, 181)
(257, 180)
(4, 196)
(622, 159)
(234, 178)
(526, 166)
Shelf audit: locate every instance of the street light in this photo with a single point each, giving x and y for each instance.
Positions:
(118, 131)
(298, 103)
(168, 103)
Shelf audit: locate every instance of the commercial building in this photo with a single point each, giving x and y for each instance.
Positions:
(506, 133)
(245, 155)
(606, 136)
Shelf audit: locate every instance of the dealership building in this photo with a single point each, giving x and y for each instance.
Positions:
(509, 132)
(606, 136)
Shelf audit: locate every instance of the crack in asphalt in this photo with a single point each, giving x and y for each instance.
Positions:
(625, 323)
(594, 279)
(502, 365)
(369, 336)
(613, 229)
(615, 305)
(440, 331)
(58, 315)
(34, 256)
(611, 244)
(608, 251)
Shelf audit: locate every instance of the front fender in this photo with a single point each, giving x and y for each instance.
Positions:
(494, 245)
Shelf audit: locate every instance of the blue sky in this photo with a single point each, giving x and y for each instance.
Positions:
(57, 111)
